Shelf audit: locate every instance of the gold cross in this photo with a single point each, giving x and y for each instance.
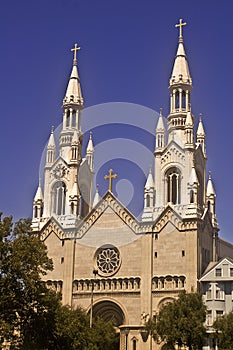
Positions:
(110, 177)
(181, 24)
(75, 49)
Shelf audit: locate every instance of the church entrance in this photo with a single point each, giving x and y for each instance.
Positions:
(109, 311)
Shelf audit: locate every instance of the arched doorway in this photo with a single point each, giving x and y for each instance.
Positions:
(110, 311)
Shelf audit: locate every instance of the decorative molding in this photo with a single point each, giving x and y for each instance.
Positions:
(109, 200)
(169, 215)
(173, 155)
(51, 227)
(107, 285)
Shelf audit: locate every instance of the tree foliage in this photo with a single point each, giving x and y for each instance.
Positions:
(31, 316)
(224, 331)
(25, 302)
(181, 322)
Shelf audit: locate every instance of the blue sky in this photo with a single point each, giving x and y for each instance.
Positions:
(127, 54)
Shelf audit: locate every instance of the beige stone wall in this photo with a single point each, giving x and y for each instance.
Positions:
(173, 255)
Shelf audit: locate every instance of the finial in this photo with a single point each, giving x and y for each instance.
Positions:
(209, 175)
(200, 117)
(161, 111)
(181, 24)
(97, 188)
(75, 49)
(90, 135)
(52, 129)
(110, 177)
(189, 108)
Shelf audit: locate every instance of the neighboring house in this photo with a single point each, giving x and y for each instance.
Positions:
(217, 290)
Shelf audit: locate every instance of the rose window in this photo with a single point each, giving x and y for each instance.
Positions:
(108, 260)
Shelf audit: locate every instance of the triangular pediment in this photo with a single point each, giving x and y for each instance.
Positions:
(169, 215)
(110, 204)
(210, 273)
(51, 226)
(173, 153)
(59, 161)
(173, 144)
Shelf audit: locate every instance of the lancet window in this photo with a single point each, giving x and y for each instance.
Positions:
(173, 180)
(59, 198)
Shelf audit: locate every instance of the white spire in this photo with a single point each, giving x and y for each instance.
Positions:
(193, 177)
(149, 181)
(90, 147)
(97, 196)
(73, 92)
(180, 72)
(210, 188)
(189, 119)
(200, 129)
(51, 148)
(51, 143)
(38, 195)
(160, 124)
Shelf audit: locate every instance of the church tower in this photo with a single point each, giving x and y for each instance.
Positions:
(180, 162)
(67, 183)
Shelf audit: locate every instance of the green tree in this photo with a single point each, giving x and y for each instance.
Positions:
(73, 331)
(103, 335)
(224, 332)
(26, 305)
(181, 322)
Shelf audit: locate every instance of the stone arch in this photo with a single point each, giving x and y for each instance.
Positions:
(109, 310)
(165, 301)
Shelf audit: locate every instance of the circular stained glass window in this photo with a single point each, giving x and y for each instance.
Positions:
(108, 260)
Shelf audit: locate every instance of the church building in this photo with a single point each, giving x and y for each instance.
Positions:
(160, 255)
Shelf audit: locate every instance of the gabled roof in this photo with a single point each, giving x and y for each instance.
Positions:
(82, 226)
(209, 274)
(109, 200)
(170, 215)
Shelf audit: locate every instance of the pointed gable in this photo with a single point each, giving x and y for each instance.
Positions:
(218, 271)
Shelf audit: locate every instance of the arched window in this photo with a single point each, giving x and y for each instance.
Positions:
(72, 208)
(73, 122)
(59, 198)
(191, 196)
(173, 179)
(147, 200)
(49, 156)
(74, 152)
(35, 211)
(134, 344)
(183, 99)
(68, 119)
(177, 99)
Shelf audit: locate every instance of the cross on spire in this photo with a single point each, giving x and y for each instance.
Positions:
(75, 49)
(181, 24)
(110, 177)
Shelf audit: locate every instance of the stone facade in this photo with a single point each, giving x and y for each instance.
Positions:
(105, 259)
